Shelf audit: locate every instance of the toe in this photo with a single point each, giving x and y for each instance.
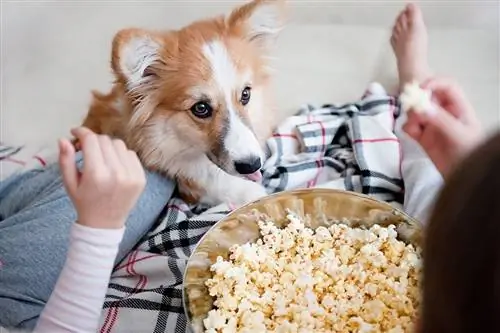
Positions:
(398, 26)
(400, 18)
(396, 29)
(393, 41)
(394, 35)
(412, 9)
(413, 13)
(405, 16)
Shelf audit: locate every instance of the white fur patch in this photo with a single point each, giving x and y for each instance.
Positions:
(240, 141)
(223, 69)
(164, 147)
(137, 55)
(221, 186)
(265, 20)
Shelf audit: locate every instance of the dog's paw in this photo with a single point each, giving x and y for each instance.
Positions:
(247, 192)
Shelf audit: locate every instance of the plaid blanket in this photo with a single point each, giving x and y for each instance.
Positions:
(351, 147)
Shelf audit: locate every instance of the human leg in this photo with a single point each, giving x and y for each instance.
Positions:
(422, 180)
(409, 42)
(35, 217)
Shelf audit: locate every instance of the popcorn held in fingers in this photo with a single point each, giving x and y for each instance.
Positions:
(415, 98)
(335, 279)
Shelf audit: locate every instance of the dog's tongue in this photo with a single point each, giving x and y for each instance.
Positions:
(256, 176)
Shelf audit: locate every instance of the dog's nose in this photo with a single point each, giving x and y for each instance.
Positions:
(248, 166)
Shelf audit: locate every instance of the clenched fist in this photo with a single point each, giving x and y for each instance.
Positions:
(108, 186)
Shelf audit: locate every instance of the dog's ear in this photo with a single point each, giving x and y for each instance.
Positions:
(136, 56)
(258, 21)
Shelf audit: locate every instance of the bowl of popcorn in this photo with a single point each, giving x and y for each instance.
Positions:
(312, 260)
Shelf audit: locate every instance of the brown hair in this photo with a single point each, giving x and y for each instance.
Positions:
(462, 249)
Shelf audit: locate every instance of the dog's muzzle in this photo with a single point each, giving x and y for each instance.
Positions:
(249, 167)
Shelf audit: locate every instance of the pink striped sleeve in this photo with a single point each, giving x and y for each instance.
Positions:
(76, 302)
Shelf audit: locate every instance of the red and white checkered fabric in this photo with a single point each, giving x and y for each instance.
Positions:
(351, 147)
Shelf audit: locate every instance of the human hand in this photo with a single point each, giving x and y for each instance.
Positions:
(109, 184)
(448, 132)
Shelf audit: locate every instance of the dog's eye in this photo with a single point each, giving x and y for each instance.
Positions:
(245, 96)
(201, 110)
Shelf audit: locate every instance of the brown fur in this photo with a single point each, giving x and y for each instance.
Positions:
(169, 90)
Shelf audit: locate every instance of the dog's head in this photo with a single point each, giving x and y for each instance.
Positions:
(193, 90)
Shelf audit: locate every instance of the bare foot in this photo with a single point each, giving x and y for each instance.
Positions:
(409, 42)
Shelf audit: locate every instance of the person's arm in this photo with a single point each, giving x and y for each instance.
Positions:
(103, 192)
(435, 141)
(422, 180)
(76, 302)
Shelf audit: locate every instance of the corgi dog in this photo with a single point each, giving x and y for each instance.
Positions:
(194, 103)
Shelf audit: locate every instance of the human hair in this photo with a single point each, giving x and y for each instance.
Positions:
(461, 282)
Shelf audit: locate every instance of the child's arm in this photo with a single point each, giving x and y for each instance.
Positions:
(103, 193)
(76, 303)
(421, 178)
(434, 140)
